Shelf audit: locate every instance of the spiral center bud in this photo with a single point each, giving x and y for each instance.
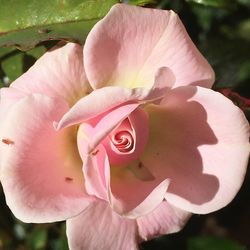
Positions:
(123, 141)
(126, 142)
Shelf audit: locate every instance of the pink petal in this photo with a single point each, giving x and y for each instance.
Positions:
(105, 99)
(108, 122)
(134, 193)
(164, 77)
(100, 228)
(8, 96)
(40, 168)
(95, 166)
(129, 52)
(58, 73)
(128, 194)
(199, 140)
(165, 219)
(145, 206)
(93, 154)
(136, 124)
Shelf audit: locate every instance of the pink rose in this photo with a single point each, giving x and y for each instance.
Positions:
(124, 139)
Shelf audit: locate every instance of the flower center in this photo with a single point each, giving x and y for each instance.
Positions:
(123, 141)
(127, 141)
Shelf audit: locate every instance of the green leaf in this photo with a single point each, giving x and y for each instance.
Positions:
(37, 239)
(212, 243)
(12, 66)
(215, 3)
(14, 62)
(61, 243)
(4, 51)
(244, 71)
(26, 23)
(244, 29)
(5, 54)
(244, 2)
(36, 52)
(142, 2)
(229, 58)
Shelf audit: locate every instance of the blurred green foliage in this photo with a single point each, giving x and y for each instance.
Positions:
(215, 3)
(221, 30)
(212, 243)
(25, 23)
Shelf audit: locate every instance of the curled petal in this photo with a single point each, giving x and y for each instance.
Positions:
(88, 107)
(43, 184)
(129, 52)
(128, 194)
(93, 154)
(108, 123)
(95, 168)
(105, 124)
(145, 206)
(133, 131)
(131, 190)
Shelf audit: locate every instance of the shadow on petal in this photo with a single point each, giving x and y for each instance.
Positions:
(177, 129)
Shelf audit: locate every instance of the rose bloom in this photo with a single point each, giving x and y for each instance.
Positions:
(123, 139)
